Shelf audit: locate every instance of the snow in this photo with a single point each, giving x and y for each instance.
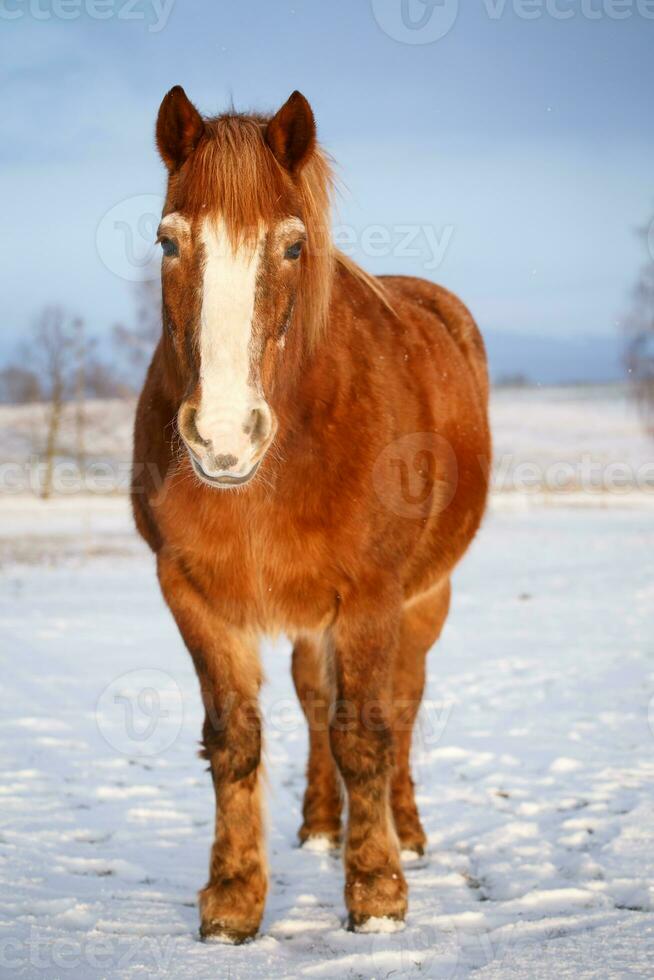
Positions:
(534, 763)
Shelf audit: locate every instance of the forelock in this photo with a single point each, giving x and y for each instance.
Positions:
(233, 176)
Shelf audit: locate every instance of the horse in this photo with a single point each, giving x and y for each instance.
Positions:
(312, 450)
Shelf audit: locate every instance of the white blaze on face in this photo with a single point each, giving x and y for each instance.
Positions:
(226, 326)
(174, 224)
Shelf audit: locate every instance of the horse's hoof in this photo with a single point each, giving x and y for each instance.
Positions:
(227, 933)
(320, 836)
(377, 897)
(411, 835)
(375, 924)
(223, 932)
(414, 859)
(320, 843)
(228, 915)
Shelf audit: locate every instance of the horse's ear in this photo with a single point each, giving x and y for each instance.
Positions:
(291, 133)
(179, 127)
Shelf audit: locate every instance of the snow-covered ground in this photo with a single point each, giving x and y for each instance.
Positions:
(569, 441)
(534, 762)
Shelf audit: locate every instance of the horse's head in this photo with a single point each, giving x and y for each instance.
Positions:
(246, 259)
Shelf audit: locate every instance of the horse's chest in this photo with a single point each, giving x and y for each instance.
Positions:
(264, 572)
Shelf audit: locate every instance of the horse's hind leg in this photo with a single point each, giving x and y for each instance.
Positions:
(422, 622)
(322, 799)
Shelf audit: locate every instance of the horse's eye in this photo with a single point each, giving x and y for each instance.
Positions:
(169, 247)
(293, 251)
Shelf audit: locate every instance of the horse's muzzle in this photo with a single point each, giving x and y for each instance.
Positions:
(224, 454)
(224, 481)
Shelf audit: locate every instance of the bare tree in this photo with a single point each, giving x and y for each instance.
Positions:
(101, 380)
(51, 369)
(639, 334)
(53, 354)
(59, 367)
(19, 386)
(81, 354)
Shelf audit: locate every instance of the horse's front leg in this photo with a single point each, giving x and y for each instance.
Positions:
(364, 639)
(231, 904)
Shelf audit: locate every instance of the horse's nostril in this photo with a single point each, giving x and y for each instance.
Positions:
(192, 428)
(259, 426)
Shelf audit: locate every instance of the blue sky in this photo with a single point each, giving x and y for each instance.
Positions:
(524, 146)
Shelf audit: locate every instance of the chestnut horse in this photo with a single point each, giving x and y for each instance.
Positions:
(316, 448)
